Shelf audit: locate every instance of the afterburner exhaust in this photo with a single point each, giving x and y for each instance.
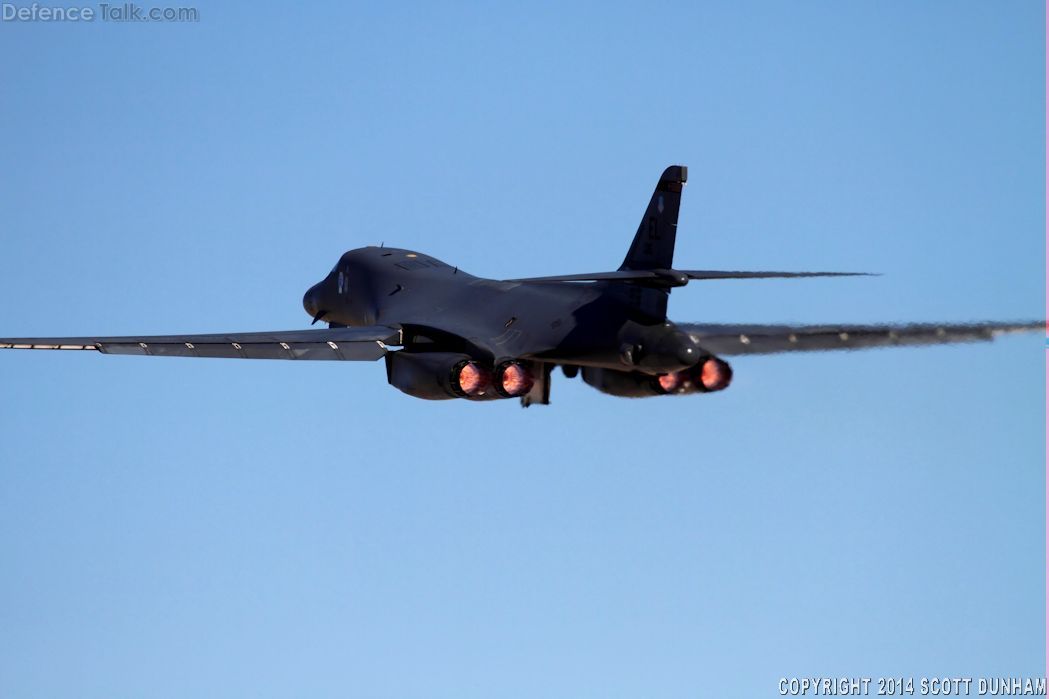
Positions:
(672, 383)
(709, 375)
(470, 379)
(713, 374)
(513, 379)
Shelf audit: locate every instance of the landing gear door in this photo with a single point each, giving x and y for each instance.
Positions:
(540, 393)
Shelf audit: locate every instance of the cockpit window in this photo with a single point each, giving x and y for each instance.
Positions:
(418, 263)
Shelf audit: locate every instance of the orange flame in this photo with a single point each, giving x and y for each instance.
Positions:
(715, 374)
(472, 379)
(669, 383)
(516, 380)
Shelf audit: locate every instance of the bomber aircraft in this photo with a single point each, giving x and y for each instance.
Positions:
(446, 334)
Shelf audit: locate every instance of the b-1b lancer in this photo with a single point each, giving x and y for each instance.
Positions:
(446, 334)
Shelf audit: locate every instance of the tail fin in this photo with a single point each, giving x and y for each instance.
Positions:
(653, 246)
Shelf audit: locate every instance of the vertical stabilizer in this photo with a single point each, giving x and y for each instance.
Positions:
(653, 246)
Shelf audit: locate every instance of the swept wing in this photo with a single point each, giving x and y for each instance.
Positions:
(771, 339)
(345, 344)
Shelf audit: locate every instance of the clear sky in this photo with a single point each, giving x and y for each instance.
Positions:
(180, 528)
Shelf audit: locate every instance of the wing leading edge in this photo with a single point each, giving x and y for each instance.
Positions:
(771, 339)
(334, 344)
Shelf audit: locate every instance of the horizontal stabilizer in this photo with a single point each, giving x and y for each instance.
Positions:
(622, 276)
(680, 277)
(345, 344)
(713, 274)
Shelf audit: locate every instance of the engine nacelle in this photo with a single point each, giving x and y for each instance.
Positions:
(710, 374)
(439, 375)
(625, 384)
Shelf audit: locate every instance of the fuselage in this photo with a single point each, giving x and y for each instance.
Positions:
(587, 324)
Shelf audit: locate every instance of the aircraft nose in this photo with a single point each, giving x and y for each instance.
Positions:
(311, 301)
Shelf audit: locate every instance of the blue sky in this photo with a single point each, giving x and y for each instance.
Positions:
(174, 528)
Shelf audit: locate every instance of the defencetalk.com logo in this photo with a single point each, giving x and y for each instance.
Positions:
(102, 12)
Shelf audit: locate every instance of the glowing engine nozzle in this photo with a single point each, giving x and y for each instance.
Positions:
(672, 383)
(714, 374)
(513, 379)
(470, 379)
